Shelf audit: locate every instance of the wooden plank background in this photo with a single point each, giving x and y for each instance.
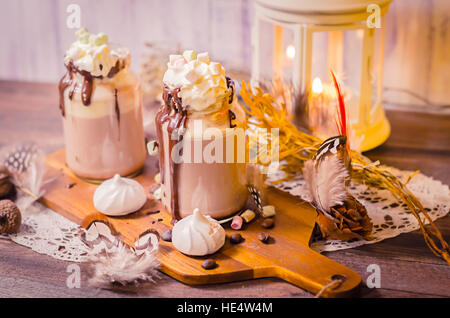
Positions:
(34, 37)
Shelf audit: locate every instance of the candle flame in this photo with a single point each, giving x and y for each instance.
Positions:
(290, 51)
(317, 86)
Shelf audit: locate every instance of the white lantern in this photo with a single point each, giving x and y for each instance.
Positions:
(302, 40)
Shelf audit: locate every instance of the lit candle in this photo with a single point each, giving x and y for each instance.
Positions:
(290, 51)
(322, 108)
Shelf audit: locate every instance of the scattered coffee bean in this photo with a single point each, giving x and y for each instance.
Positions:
(209, 264)
(151, 212)
(268, 223)
(70, 185)
(263, 237)
(236, 238)
(167, 235)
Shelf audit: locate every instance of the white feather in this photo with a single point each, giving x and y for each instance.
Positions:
(122, 266)
(325, 180)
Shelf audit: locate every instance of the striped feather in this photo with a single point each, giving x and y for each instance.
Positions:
(326, 181)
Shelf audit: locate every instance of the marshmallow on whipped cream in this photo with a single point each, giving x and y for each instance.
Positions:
(202, 83)
(94, 54)
(198, 235)
(119, 196)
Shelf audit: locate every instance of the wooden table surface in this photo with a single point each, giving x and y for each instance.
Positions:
(29, 112)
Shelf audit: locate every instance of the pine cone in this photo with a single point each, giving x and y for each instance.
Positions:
(10, 217)
(7, 189)
(349, 221)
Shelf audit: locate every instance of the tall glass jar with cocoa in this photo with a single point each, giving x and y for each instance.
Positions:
(201, 139)
(101, 105)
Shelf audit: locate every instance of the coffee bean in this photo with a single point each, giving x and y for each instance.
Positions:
(236, 238)
(263, 237)
(150, 212)
(209, 264)
(167, 235)
(268, 223)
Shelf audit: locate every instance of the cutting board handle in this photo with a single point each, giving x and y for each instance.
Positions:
(312, 271)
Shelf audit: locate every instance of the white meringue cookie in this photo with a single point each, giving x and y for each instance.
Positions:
(119, 196)
(198, 235)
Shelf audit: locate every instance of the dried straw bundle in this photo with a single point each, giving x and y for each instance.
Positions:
(295, 147)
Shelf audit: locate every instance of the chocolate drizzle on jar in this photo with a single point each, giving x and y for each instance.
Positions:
(231, 116)
(117, 110)
(65, 82)
(116, 68)
(230, 85)
(86, 88)
(116, 105)
(175, 114)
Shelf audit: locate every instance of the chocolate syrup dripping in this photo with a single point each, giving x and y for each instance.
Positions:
(72, 90)
(117, 107)
(65, 82)
(86, 88)
(230, 85)
(115, 69)
(232, 116)
(173, 112)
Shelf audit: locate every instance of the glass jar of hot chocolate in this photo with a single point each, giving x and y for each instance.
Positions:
(101, 105)
(201, 140)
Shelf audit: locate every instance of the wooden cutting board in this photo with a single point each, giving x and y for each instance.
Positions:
(287, 256)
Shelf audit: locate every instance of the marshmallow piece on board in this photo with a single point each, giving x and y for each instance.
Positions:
(248, 215)
(158, 193)
(236, 223)
(268, 211)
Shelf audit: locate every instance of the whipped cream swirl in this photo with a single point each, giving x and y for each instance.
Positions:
(198, 235)
(202, 83)
(93, 53)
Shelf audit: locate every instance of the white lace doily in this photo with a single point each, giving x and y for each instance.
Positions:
(47, 232)
(389, 216)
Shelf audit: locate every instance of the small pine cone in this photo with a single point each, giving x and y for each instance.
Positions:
(10, 217)
(350, 221)
(7, 189)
